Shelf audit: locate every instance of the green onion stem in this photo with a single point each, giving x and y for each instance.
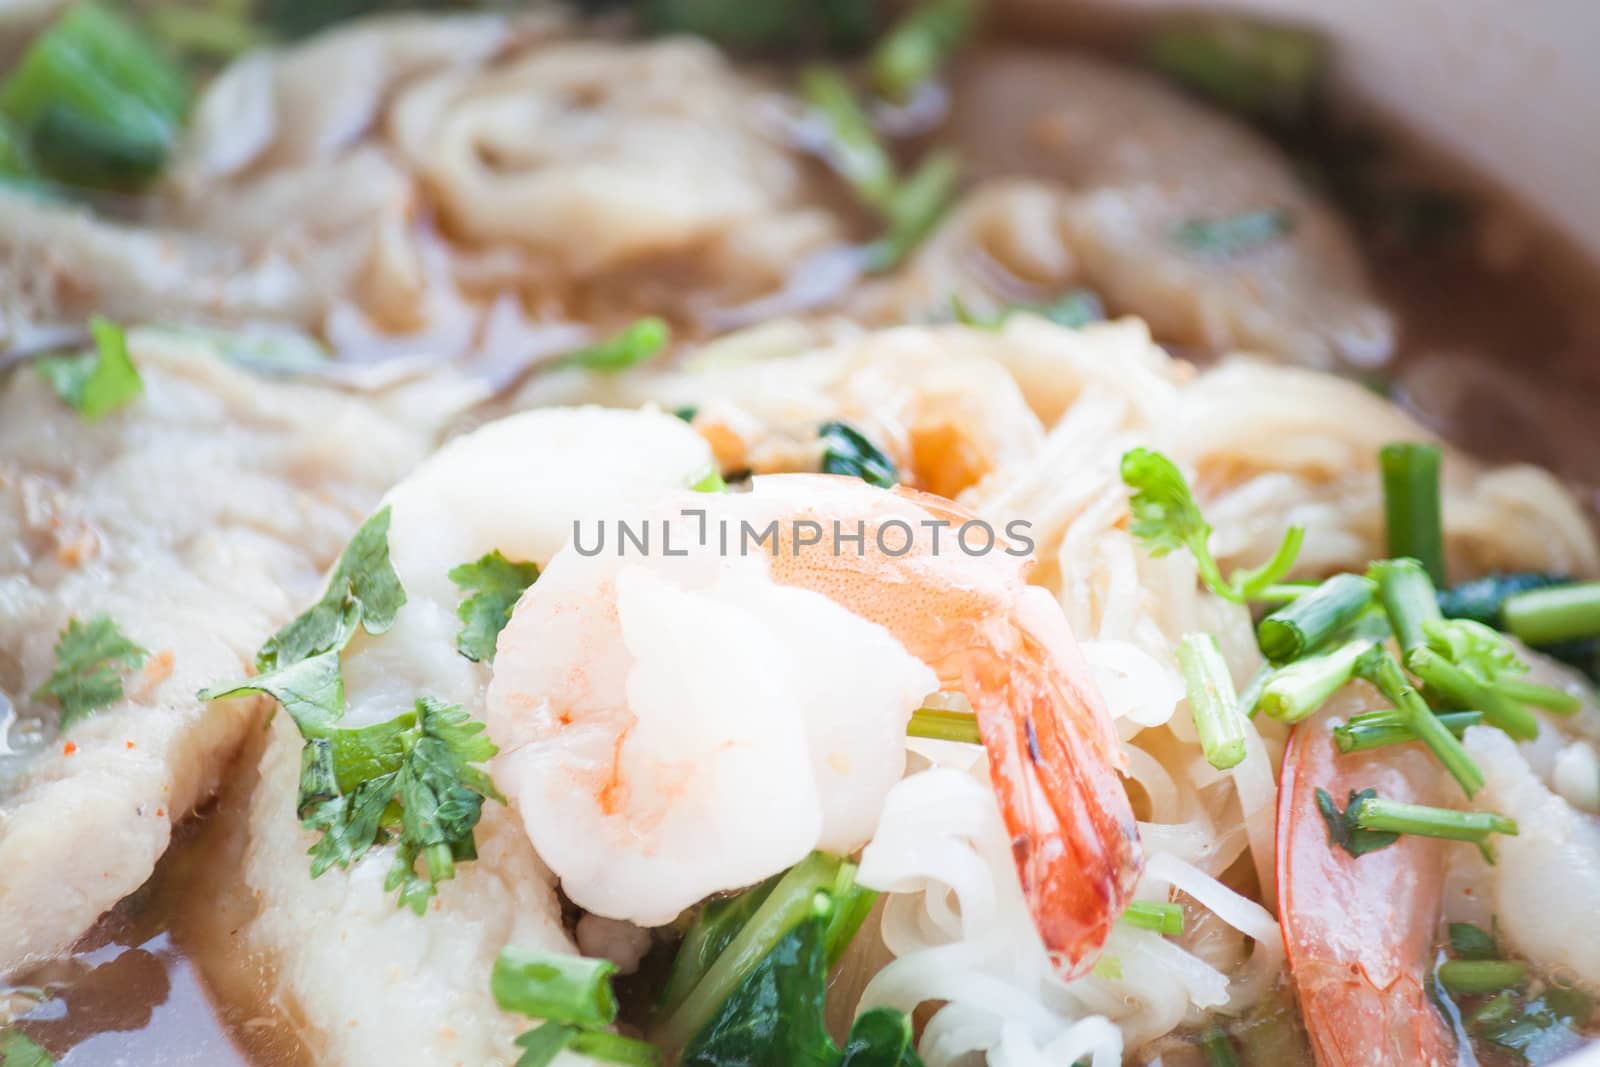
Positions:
(1380, 668)
(913, 211)
(1374, 729)
(1466, 977)
(919, 45)
(637, 344)
(1250, 699)
(1409, 599)
(854, 149)
(943, 725)
(1558, 613)
(1280, 591)
(1398, 817)
(606, 1047)
(1463, 690)
(554, 986)
(1547, 697)
(1310, 620)
(1212, 701)
(1218, 1048)
(799, 895)
(1163, 917)
(1411, 504)
(1294, 692)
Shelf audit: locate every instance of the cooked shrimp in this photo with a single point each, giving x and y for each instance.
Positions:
(1359, 933)
(660, 718)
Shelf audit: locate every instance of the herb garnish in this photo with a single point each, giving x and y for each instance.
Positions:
(90, 662)
(17, 1049)
(94, 384)
(573, 995)
(1234, 234)
(639, 343)
(1343, 829)
(846, 450)
(495, 583)
(1166, 517)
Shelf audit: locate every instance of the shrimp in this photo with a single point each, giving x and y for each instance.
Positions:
(672, 727)
(1359, 933)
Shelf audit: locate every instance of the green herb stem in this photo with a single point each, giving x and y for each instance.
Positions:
(939, 724)
(639, 343)
(913, 211)
(1467, 977)
(1380, 668)
(919, 45)
(1411, 504)
(1163, 917)
(1461, 689)
(1212, 701)
(1547, 697)
(1558, 613)
(1312, 618)
(1399, 817)
(854, 149)
(1374, 729)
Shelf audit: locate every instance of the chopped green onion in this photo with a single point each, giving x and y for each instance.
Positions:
(710, 482)
(1547, 697)
(942, 725)
(913, 211)
(1212, 701)
(100, 106)
(1481, 599)
(854, 149)
(607, 1047)
(1309, 620)
(1374, 729)
(1163, 917)
(1075, 308)
(1294, 692)
(919, 45)
(1463, 690)
(1380, 668)
(1233, 235)
(1409, 600)
(558, 987)
(1258, 69)
(1411, 504)
(1559, 613)
(639, 343)
(17, 1049)
(1284, 591)
(1399, 817)
(1467, 977)
(208, 34)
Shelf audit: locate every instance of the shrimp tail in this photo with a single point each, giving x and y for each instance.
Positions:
(1053, 761)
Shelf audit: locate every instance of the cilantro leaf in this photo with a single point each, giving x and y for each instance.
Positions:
(94, 384)
(845, 450)
(90, 662)
(1342, 828)
(411, 780)
(311, 690)
(496, 584)
(1165, 517)
(364, 590)
(17, 1049)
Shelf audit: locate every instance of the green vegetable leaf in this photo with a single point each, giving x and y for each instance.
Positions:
(639, 343)
(1342, 828)
(94, 384)
(90, 662)
(364, 590)
(881, 1037)
(17, 1049)
(1233, 235)
(1165, 517)
(1474, 647)
(1472, 942)
(311, 691)
(847, 451)
(495, 584)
